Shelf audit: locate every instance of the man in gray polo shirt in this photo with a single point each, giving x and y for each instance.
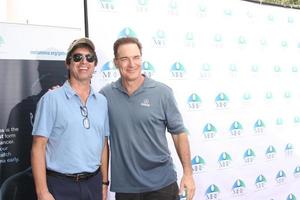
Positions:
(140, 110)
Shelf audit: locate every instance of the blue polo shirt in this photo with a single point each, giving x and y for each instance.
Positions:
(71, 148)
(140, 158)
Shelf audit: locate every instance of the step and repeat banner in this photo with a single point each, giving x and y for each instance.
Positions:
(31, 62)
(235, 71)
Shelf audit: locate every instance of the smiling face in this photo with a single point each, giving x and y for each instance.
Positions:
(129, 62)
(82, 65)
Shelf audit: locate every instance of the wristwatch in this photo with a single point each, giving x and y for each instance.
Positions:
(105, 182)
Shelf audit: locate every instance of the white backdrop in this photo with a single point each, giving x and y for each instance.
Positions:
(234, 68)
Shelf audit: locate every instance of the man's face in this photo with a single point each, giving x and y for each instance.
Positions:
(129, 62)
(82, 64)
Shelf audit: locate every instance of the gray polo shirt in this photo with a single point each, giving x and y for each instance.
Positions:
(140, 158)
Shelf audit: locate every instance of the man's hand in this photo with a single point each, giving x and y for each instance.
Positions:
(187, 183)
(45, 196)
(104, 191)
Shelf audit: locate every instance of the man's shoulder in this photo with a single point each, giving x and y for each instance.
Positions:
(106, 89)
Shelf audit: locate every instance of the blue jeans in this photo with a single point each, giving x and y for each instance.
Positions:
(167, 193)
(63, 188)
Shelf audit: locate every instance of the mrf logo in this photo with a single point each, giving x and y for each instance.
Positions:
(198, 164)
(236, 128)
(260, 182)
(209, 131)
(249, 156)
(291, 196)
(127, 32)
(142, 5)
(259, 126)
(297, 172)
(212, 193)
(159, 39)
(109, 71)
(107, 4)
(270, 152)
(280, 177)
(177, 70)
(148, 69)
(222, 100)
(194, 102)
(238, 187)
(289, 149)
(224, 160)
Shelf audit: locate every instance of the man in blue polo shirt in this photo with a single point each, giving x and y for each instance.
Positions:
(69, 150)
(140, 111)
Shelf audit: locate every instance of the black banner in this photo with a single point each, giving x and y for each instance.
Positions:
(22, 84)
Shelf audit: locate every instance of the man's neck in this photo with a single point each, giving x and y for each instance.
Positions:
(132, 86)
(82, 89)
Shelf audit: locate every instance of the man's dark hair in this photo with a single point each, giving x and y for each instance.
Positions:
(126, 40)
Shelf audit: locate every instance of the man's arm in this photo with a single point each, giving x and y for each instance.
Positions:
(38, 163)
(182, 146)
(104, 168)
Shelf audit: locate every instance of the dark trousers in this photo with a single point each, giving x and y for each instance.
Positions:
(167, 193)
(63, 188)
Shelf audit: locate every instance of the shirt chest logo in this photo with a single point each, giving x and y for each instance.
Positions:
(145, 103)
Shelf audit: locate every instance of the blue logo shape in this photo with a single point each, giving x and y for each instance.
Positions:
(218, 38)
(238, 187)
(160, 38)
(277, 68)
(289, 149)
(198, 164)
(297, 172)
(173, 7)
(236, 128)
(127, 32)
(284, 44)
(269, 95)
(177, 70)
(142, 5)
(209, 131)
(189, 39)
(222, 100)
(279, 121)
(242, 40)
(212, 192)
(143, 2)
(296, 119)
(259, 126)
(202, 9)
(247, 96)
(109, 71)
(148, 69)
(249, 156)
(224, 160)
(233, 67)
(287, 94)
(260, 182)
(291, 196)
(194, 102)
(295, 69)
(107, 4)
(270, 152)
(263, 42)
(280, 177)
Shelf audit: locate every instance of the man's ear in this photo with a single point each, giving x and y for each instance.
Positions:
(115, 63)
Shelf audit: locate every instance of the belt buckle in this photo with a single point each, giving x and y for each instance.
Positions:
(78, 176)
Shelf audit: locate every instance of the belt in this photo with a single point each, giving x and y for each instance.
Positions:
(74, 177)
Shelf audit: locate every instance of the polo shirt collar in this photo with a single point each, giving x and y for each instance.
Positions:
(70, 92)
(148, 83)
